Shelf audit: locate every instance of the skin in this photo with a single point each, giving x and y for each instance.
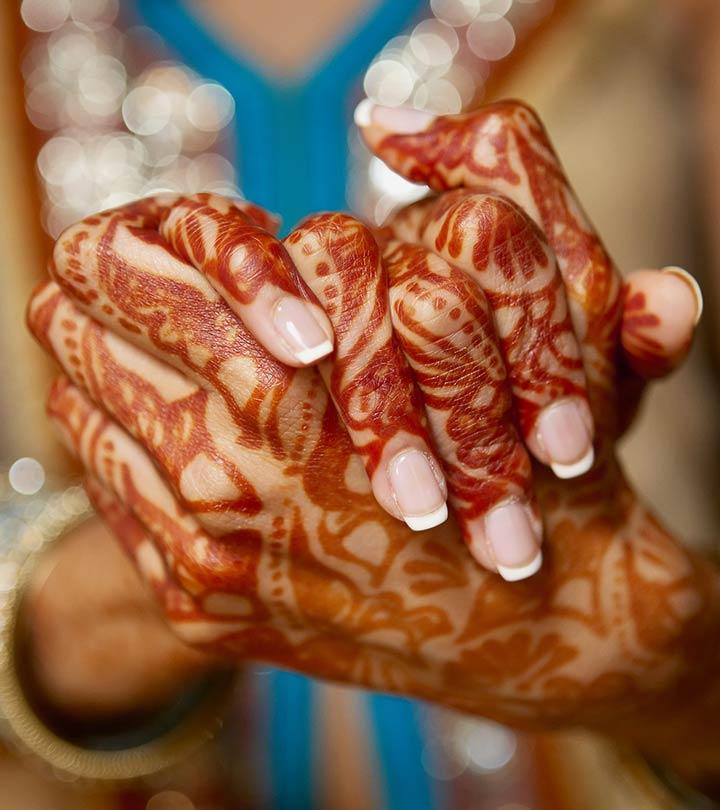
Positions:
(241, 498)
(100, 645)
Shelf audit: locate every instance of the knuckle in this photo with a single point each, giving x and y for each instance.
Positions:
(326, 232)
(40, 307)
(453, 310)
(76, 244)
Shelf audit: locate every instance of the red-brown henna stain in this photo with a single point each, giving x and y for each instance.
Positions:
(186, 324)
(610, 633)
(219, 237)
(504, 149)
(446, 329)
(645, 352)
(369, 379)
(506, 255)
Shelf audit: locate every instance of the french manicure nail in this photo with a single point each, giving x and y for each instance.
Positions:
(513, 541)
(300, 331)
(694, 286)
(564, 436)
(363, 113)
(402, 120)
(417, 491)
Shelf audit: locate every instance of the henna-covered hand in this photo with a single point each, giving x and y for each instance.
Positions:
(523, 274)
(252, 512)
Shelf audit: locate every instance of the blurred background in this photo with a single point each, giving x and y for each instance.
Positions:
(104, 101)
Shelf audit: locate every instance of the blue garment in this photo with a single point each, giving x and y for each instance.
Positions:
(291, 133)
(291, 137)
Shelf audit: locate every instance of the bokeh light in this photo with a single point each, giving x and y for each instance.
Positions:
(491, 37)
(122, 120)
(442, 66)
(26, 476)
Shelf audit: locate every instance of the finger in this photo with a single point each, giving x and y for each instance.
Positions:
(115, 268)
(140, 546)
(218, 580)
(661, 311)
(497, 245)
(186, 429)
(252, 271)
(368, 376)
(504, 148)
(445, 327)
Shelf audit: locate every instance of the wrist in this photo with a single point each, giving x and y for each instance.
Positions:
(38, 718)
(95, 651)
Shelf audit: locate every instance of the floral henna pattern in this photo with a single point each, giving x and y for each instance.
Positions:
(505, 254)
(615, 627)
(252, 271)
(446, 329)
(307, 571)
(503, 149)
(368, 376)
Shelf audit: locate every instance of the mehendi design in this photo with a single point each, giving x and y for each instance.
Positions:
(446, 328)
(503, 149)
(248, 506)
(506, 255)
(368, 376)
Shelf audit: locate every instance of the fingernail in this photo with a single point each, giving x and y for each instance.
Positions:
(363, 113)
(402, 120)
(694, 286)
(302, 334)
(513, 541)
(417, 491)
(564, 436)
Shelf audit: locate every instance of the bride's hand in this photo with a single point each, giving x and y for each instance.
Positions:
(251, 509)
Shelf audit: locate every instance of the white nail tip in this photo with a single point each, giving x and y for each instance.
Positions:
(419, 523)
(363, 113)
(307, 356)
(576, 469)
(694, 286)
(516, 574)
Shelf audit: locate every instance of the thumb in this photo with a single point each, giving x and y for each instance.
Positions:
(661, 311)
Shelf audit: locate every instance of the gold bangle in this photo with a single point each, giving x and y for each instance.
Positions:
(22, 725)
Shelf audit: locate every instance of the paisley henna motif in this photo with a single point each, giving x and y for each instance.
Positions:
(446, 329)
(368, 377)
(505, 254)
(503, 149)
(247, 503)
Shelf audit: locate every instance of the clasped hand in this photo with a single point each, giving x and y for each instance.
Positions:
(479, 350)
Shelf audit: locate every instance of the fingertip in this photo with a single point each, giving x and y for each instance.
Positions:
(690, 281)
(662, 309)
(420, 523)
(568, 471)
(376, 118)
(417, 489)
(564, 437)
(513, 539)
(523, 572)
(363, 113)
(302, 334)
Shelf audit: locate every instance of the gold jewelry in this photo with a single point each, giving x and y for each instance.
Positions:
(191, 726)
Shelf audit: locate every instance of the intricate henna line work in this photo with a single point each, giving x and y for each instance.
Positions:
(174, 419)
(217, 237)
(368, 377)
(504, 253)
(447, 334)
(504, 149)
(169, 311)
(351, 594)
(476, 671)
